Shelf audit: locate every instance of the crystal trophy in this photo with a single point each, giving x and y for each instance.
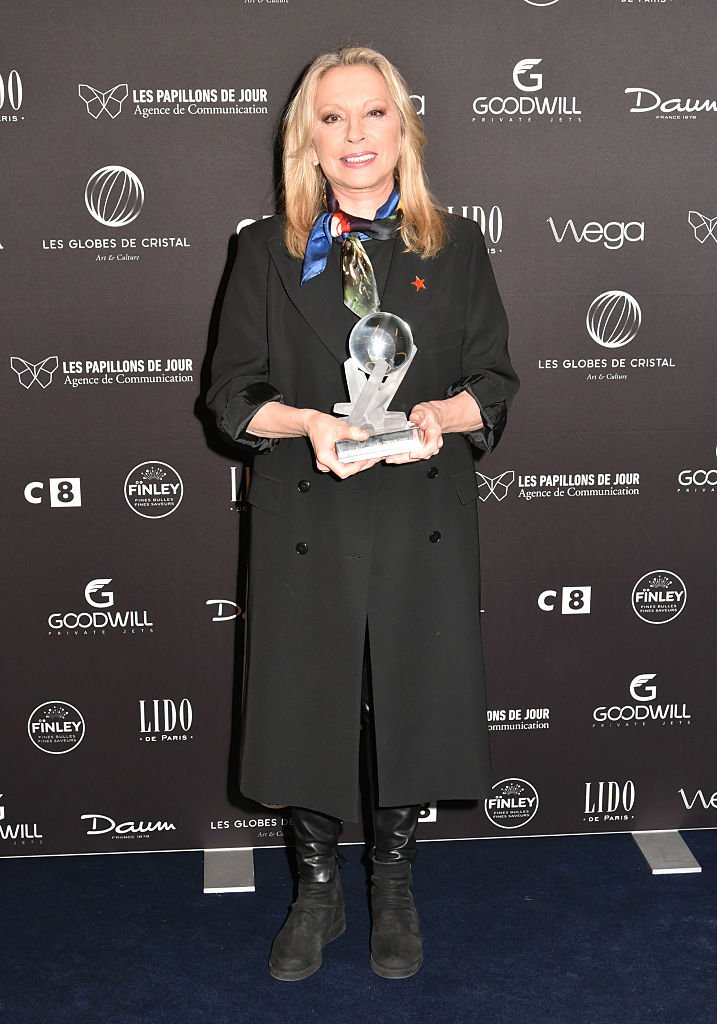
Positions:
(381, 350)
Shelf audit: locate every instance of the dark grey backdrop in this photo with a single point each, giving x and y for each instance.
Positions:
(575, 205)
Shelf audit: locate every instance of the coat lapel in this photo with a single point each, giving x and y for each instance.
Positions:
(316, 300)
(400, 296)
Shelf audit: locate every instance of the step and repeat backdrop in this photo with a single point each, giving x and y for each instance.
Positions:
(136, 141)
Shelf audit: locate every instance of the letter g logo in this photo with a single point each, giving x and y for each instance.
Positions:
(106, 596)
(520, 71)
(639, 689)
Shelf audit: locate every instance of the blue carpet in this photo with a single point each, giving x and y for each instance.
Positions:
(521, 931)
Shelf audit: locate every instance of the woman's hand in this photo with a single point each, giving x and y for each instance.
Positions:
(324, 431)
(427, 417)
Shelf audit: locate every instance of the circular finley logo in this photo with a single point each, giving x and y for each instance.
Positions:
(659, 596)
(613, 319)
(114, 196)
(512, 803)
(56, 727)
(153, 490)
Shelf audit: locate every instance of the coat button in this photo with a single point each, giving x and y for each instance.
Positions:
(432, 473)
(434, 537)
(304, 486)
(302, 547)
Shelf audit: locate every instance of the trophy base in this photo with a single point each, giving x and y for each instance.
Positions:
(378, 446)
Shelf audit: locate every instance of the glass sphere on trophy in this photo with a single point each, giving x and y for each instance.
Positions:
(381, 350)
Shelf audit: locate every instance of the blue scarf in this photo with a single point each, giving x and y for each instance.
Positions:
(384, 225)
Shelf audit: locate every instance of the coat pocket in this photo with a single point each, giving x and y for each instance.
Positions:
(466, 485)
(265, 493)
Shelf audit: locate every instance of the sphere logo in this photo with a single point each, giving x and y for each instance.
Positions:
(114, 196)
(613, 319)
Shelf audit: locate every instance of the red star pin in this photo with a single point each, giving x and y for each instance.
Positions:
(419, 283)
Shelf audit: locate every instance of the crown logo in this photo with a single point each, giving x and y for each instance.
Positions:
(154, 473)
(512, 789)
(55, 713)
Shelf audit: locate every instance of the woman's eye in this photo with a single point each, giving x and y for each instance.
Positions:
(330, 118)
(377, 112)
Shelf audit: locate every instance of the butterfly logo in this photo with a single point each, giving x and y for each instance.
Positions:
(29, 373)
(703, 227)
(494, 486)
(97, 101)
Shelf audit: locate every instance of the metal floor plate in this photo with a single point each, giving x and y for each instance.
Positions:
(229, 870)
(666, 853)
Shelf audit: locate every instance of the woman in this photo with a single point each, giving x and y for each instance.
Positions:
(364, 592)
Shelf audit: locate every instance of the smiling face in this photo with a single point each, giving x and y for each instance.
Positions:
(356, 137)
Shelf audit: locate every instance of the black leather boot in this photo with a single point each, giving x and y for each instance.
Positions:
(396, 947)
(317, 916)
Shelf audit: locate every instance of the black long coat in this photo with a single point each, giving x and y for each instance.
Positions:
(394, 548)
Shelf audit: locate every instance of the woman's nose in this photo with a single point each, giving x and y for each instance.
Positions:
(354, 130)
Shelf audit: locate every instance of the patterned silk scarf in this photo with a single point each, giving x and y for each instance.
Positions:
(359, 281)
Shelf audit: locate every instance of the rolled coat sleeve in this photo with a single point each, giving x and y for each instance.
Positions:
(488, 374)
(240, 383)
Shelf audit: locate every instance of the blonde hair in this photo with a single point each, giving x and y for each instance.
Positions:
(423, 229)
